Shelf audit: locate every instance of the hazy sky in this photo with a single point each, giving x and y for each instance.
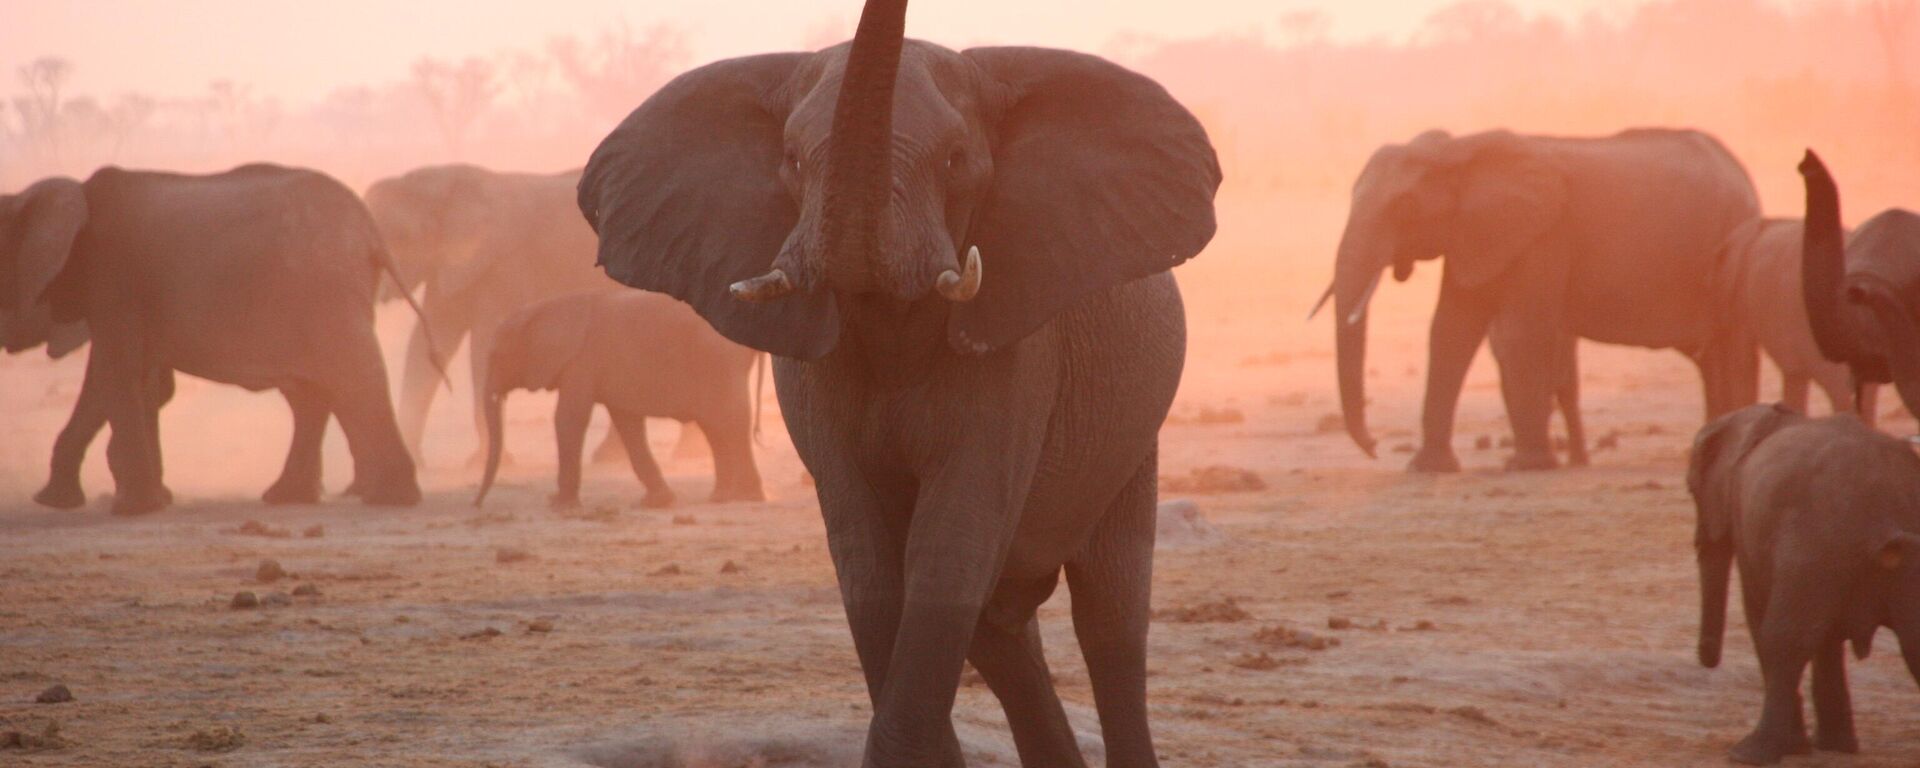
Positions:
(301, 49)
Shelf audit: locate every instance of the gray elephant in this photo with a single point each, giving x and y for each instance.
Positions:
(1764, 264)
(960, 259)
(1862, 294)
(484, 244)
(262, 277)
(639, 354)
(1546, 240)
(1823, 516)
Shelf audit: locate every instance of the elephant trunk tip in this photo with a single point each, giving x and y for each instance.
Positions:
(1811, 165)
(1710, 654)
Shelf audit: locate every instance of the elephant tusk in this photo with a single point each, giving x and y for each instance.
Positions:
(1321, 303)
(1366, 297)
(962, 286)
(767, 287)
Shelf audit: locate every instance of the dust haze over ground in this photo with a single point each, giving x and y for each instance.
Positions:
(1346, 614)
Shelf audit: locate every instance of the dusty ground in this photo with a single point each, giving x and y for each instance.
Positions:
(1491, 619)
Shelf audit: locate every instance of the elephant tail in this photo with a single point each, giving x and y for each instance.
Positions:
(495, 398)
(759, 391)
(384, 258)
(1716, 566)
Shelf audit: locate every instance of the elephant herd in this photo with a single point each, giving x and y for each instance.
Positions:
(959, 263)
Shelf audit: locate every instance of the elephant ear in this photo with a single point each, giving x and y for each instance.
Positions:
(1100, 178)
(1508, 197)
(1718, 449)
(49, 218)
(687, 199)
(543, 343)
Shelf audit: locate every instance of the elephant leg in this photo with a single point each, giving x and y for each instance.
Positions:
(1569, 396)
(612, 449)
(735, 477)
(132, 448)
(299, 481)
(1832, 704)
(1111, 580)
(570, 417)
(1528, 355)
(631, 429)
(63, 489)
(1793, 391)
(1460, 324)
(420, 378)
(1015, 667)
(1866, 402)
(383, 469)
(1793, 632)
(1729, 375)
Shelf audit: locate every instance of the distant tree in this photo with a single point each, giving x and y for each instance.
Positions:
(457, 95)
(619, 70)
(40, 108)
(1303, 28)
(1470, 21)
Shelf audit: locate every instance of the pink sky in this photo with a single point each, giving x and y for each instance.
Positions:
(298, 51)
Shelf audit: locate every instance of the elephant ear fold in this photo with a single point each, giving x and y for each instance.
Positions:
(50, 217)
(1100, 177)
(1508, 197)
(687, 199)
(1718, 448)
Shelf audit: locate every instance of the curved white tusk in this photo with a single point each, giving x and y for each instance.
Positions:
(767, 287)
(1360, 311)
(962, 286)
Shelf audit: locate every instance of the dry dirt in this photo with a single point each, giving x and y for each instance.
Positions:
(1349, 614)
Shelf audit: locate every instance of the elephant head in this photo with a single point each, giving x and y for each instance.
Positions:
(1478, 200)
(1861, 294)
(532, 349)
(1712, 475)
(1015, 182)
(38, 303)
(431, 219)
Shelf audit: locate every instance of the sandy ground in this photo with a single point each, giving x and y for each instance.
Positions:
(1489, 618)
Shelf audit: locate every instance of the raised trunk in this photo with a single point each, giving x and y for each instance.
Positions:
(860, 149)
(1355, 276)
(1716, 564)
(1823, 262)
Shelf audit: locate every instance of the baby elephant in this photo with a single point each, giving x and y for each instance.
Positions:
(640, 354)
(1822, 515)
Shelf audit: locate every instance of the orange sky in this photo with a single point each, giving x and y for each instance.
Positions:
(300, 50)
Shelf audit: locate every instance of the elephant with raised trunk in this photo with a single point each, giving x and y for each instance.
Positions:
(960, 260)
(641, 355)
(1862, 293)
(1823, 518)
(1546, 240)
(1765, 267)
(485, 244)
(262, 277)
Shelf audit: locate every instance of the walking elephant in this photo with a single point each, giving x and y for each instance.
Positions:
(1823, 517)
(1764, 264)
(484, 244)
(960, 260)
(262, 277)
(641, 355)
(1862, 294)
(1546, 240)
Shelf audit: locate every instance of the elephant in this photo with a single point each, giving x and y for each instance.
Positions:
(1862, 293)
(1823, 517)
(1546, 240)
(975, 424)
(262, 276)
(484, 243)
(1764, 260)
(640, 354)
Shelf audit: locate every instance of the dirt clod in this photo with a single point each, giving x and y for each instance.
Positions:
(306, 590)
(269, 572)
(244, 600)
(1216, 612)
(218, 738)
(508, 555)
(731, 567)
(539, 626)
(58, 694)
(1339, 622)
(1284, 637)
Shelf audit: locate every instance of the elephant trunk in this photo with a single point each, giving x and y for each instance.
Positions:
(1823, 262)
(1716, 565)
(1355, 278)
(859, 187)
(495, 392)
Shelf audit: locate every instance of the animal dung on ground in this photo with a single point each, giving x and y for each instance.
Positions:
(269, 572)
(1217, 478)
(57, 694)
(539, 626)
(244, 600)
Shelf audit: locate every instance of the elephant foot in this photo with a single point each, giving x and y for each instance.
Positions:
(287, 490)
(1839, 741)
(1434, 460)
(724, 495)
(1530, 462)
(563, 502)
(61, 496)
(660, 499)
(141, 503)
(1766, 749)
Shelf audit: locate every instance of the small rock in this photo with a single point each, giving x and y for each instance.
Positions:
(487, 633)
(218, 738)
(730, 567)
(541, 626)
(505, 555)
(269, 572)
(244, 600)
(1339, 622)
(55, 695)
(306, 590)
(314, 532)
(322, 718)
